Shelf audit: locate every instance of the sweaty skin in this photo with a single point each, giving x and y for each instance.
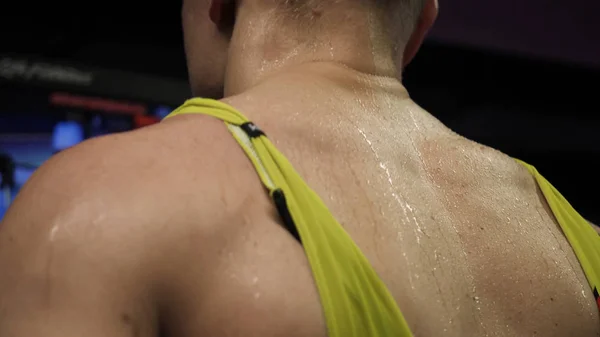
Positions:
(167, 230)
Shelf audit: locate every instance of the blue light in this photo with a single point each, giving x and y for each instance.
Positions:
(22, 174)
(66, 134)
(162, 111)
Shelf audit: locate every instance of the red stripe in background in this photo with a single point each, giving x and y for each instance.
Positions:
(95, 103)
(140, 121)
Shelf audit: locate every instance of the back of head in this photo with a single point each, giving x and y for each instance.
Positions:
(385, 27)
(397, 17)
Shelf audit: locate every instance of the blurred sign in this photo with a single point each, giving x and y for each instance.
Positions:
(26, 70)
(58, 75)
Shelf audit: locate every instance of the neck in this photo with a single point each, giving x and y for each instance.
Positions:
(263, 45)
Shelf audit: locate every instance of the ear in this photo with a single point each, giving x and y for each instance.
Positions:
(222, 13)
(426, 20)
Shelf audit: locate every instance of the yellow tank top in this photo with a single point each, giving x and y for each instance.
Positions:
(355, 301)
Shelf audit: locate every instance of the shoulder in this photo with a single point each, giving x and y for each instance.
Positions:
(135, 166)
(108, 227)
(141, 189)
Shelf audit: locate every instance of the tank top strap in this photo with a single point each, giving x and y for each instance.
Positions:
(217, 109)
(584, 240)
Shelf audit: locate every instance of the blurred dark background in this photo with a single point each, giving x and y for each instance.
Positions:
(521, 76)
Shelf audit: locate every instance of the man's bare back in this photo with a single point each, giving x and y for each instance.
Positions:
(168, 231)
(459, 232)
